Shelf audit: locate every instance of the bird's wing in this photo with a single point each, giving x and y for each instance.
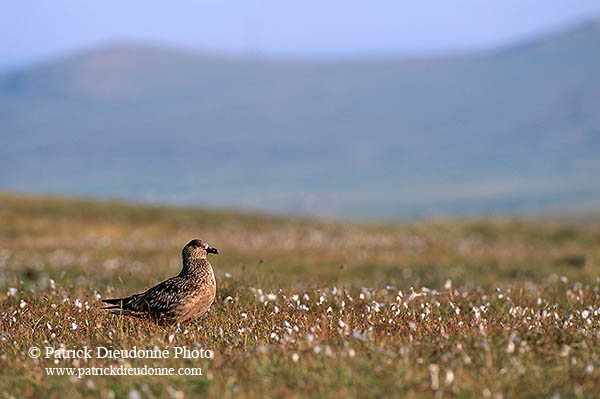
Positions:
(159, 299)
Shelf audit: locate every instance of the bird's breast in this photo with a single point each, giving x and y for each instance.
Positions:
(199, 298)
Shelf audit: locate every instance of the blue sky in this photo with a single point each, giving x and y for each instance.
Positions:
(33, 29)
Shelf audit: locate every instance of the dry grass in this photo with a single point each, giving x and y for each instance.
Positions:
(499, 308)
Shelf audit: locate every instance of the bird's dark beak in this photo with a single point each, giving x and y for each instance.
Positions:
(212, 250)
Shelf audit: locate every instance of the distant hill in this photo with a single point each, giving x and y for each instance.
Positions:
(503, 131)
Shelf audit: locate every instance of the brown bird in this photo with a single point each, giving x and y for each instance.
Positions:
(180, 298)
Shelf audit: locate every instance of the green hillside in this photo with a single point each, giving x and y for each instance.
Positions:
(510, 130)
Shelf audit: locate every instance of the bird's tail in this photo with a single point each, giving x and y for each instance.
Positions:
(115, 303)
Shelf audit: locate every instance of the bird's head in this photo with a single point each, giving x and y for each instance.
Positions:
(198, 249)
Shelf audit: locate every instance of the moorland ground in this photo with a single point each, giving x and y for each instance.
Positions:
(472, 308)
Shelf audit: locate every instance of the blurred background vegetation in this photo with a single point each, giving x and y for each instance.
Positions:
(99, 244)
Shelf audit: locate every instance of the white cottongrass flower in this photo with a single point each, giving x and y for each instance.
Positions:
(449, 376)
(510, 347)
(358, 336)
(434, 370)
(134, 394)
(74, 326)
(585, 314)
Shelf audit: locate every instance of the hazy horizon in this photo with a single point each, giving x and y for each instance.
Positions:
(395, 138)
(296, 30)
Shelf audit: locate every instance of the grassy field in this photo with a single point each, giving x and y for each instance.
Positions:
(465, 309)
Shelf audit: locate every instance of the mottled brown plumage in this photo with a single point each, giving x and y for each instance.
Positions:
(180, 298)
